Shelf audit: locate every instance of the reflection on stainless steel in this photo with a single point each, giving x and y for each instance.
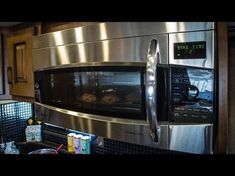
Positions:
(191, 138)
(207, 36)
(114, 30)
(119, 50)
(204, 81)
(132, 131)
(186, 138)
(98, 44)
(62, 50)
(105, 44)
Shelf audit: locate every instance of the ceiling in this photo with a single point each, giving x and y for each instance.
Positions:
(7, 24)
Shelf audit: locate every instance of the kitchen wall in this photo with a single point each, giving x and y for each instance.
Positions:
(231, 89)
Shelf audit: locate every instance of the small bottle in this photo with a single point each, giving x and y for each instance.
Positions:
(2, 148)
(14, 150)
(8, 148)
(77, 144)
(85, 144)
(11, 148)
(70, 139)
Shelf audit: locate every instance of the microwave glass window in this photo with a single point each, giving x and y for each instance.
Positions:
(110, 92)
(57, 89)
(107, 91)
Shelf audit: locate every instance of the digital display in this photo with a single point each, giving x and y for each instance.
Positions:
(190, 50)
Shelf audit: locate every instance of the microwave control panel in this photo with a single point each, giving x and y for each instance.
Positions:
(191, 95)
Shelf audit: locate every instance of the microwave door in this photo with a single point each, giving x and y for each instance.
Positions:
(151, 87)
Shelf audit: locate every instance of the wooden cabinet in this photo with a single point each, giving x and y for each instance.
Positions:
(19, 69)
(2, 85)
(19, 55)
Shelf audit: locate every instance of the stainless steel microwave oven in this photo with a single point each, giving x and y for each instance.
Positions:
(151, 84)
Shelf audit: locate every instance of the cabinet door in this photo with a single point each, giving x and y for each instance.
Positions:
(19, 70)
(2, 84)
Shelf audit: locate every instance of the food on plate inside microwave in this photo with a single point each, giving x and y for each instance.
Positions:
(88, 98)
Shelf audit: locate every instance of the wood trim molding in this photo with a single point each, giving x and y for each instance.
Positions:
(24, 27)
(222, 87)
(25, 99)
(47, 27)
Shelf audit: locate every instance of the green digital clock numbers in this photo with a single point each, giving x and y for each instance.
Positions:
(190, 50)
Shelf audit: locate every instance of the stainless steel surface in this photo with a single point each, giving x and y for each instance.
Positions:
(153, 59)
(132, 131)
(191, 138)
(207, 36)
(96, 64)
(114, 30)
(44, 151)
(118, 50)
(117, 42)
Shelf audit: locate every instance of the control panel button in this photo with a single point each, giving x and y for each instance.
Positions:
(176, 94)
(185, 76)
(176, 100)
(196, 110)
(176, 88)
(203, 116)
(179, 108)
(176, 75)
(190, 109)
(205, 110)
(185, 115)
(185, 81)
(176, 80)
(176, 114)
(195, 115)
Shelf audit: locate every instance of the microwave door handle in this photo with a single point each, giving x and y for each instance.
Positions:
(151, 89)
